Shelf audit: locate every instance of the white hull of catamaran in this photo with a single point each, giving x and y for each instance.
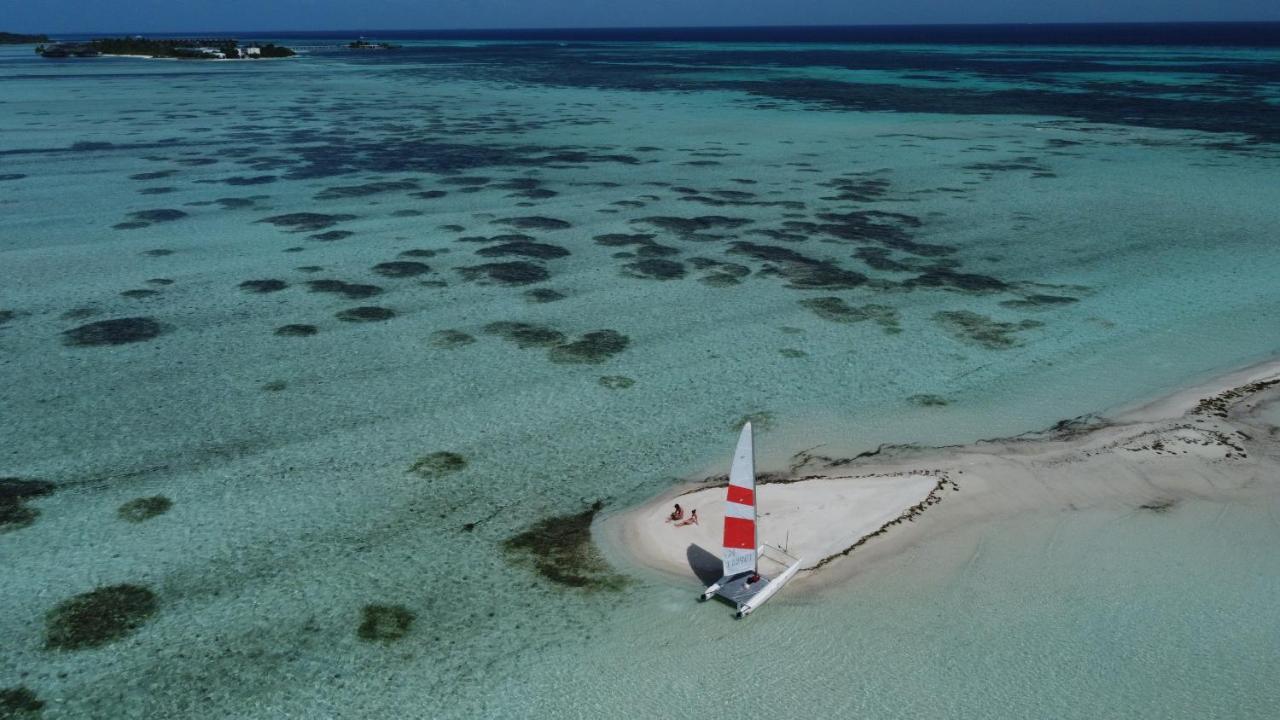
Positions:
(773, 587)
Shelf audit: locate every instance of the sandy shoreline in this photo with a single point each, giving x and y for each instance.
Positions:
(840, 514)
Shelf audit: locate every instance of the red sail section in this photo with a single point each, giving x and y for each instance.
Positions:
(743, 495)
(739, 533)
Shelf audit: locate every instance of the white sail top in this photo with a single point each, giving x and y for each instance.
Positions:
(740, 547)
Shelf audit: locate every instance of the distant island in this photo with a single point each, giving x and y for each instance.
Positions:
(20, 39)
(183, 49)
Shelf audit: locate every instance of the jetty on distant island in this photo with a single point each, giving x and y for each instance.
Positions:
(363, 43)
(167, 48)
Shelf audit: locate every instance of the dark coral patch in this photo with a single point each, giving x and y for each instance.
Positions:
(368, 313)
(5, 177)
(143, 509)
(158, 252)
(384, 623)
(250, 180)
(534, 222)
(438, 464)
(373, 188)
(451, 338)
(837, 310)
(296, 330)
(616, 382)
(593, 347)
(354, 291)
(98, 617)
(543, 295)
(7, 316)
(801, 271)
(119, 331)
(429, 194)
(14, 494)
(158, 215)
(306, 221)
(970, 327)
(967, 282)
(560, 550)
(1040, 302)
(694, 228)
(401, 268)
(522, 248)
(139, 293)
(654, 269)
(19, 702)
(517, 272)
(332, 235)
(263, 286)
(928, 400)
(135, 225)
(525, 335)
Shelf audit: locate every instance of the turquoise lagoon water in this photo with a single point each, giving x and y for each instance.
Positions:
(817, 237)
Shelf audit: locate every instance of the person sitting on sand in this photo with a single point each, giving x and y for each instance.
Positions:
(677, 514)
(691, 520)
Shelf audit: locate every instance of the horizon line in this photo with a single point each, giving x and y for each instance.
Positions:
(548, 28)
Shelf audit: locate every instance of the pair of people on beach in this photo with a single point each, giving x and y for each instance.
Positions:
(677, 517)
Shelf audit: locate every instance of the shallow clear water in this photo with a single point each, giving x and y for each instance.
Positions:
(979, 244)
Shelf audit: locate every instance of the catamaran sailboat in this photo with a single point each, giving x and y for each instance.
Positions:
(742, 583)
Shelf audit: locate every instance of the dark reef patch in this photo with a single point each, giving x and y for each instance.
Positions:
(695, 228)
(7, 316)
(241, 180)
(19, 703)
(523, 248)
(158, 252)
(534, 222)
(429, 194)
(800, 271)
(593, 347)
(972, 328)
(451, 338)
(118, 331)
(98, 617)
(373, 188)
(1040, 302)
(401, 268)
(517, 272)
(792, 353)
(139, 293)
(14, 494)
(353, 291)
(966, 282)
(543, 295)
(438, 464)
(654, 269)
(144, 508)
(367, 313)
(1161, 506)
(296, 330)
(837, 310)
(560, 550)
(421, 253)
(332, 235)
(306, 221)
(616, 382)
(384, 623)
(158, 215)
(525, 335)
(263, 286)
(927, 400)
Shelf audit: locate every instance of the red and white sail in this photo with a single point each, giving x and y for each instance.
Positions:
(740, 510)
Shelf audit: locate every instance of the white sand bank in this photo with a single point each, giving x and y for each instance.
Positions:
(1211, 441)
